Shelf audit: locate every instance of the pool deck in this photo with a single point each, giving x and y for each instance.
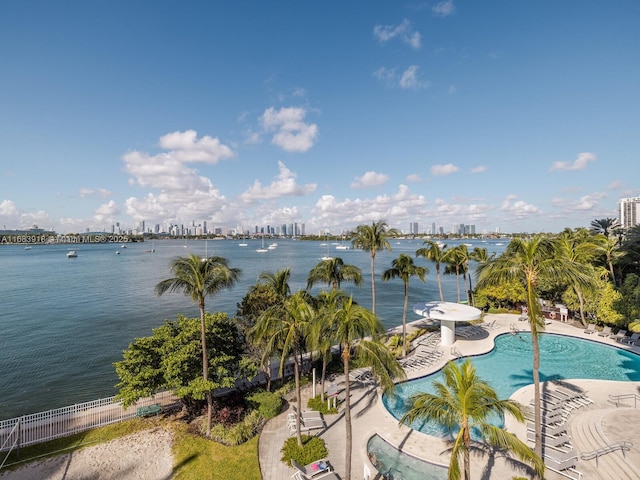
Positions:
(590, 427)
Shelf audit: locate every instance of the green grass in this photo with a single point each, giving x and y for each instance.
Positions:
(195, 458)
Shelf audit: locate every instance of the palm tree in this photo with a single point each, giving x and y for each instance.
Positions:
(577, 248)
(464, 402)
(334, 271)
(610, 249)
(356, 330)
(606, 226)
(198, 278)
(478, 255)
(373, 238)
(457, 261)
(285, 327)
(434, 253)
(404, 268)
(530, 262)
(279, 281)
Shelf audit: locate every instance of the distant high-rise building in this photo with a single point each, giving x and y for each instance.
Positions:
(629, 212)
(433, 228)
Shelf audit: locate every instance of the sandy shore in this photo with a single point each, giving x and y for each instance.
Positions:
(141, 456)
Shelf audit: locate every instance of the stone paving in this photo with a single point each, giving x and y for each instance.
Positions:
(369, 417)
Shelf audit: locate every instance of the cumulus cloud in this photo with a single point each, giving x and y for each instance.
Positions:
(369, 179)
(615, 185)
(185, 147)
(283, 185)
(579, 163)
(404, 32)
(518, 209)
(442, 170)
(107, 213)
(291, 132)
(479, 169)
(444, 8)
(413, 178)
(586, 202)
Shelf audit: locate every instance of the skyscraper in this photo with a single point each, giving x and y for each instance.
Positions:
(629, 212)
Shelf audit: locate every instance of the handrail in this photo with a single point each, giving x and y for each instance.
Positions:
(623, 446)
(616, 399)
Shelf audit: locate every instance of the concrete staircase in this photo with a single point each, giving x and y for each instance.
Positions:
(587, 436)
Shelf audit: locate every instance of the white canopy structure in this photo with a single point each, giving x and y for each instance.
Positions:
(447, 313)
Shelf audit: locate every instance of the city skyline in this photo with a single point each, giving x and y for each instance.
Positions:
(511, 117)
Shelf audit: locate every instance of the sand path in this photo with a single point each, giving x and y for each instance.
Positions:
(141, 456)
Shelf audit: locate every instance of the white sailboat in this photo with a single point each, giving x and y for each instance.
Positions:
(342, 246)
(262, 249)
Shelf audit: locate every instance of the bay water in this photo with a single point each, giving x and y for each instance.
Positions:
(65, 321)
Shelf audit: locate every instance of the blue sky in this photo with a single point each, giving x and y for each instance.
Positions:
(518, 116)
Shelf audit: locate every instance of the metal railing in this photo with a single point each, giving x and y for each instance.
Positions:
(60, 422)
(622, 446)
(616, 399)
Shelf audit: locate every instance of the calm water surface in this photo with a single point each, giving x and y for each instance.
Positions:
(65, 321)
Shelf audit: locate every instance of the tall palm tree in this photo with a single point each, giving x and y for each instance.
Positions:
(334, 271)
(285, 327)
(530, 262)
(434, 253)
(279, 281)
(199, 278)
(478, 255)
(457, 262)
(466, 403)
(373, 238)
(609, 248)
(404, 268)
(577, 248)
(357, 330)
(606, 226)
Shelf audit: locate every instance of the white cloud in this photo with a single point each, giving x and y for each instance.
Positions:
(369, 179)
(414, 178)
(479, 169)
(410, 79)
(441, 170)
(615, 185)
(107, 213)
(101, 192)
(292, 134)
(586, 202)
(284, 185)
(404, 31)
(185, 147)
(518, 209)
(444, 8)
(579, 163)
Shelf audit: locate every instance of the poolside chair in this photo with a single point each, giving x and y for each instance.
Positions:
(307, 414)
(591, 328)
(606, 331)
(620, 335)
(630, 340)
(314, 470)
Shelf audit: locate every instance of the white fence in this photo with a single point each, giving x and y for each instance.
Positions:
(60, 422)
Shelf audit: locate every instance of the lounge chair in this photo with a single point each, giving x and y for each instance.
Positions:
(620, 335)
(591, 328)
(323, 476)
(307, 414)
(317, 469)
(606, 331)
(631, 340)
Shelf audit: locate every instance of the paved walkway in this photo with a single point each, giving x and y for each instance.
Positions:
(369, 417)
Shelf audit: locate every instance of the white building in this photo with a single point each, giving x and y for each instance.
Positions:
(629, 212)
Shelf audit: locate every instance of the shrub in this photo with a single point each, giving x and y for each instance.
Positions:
(316, 403)
(268, 404)
(240, 432)
(313, 448)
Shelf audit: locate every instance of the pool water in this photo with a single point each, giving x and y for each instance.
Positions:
(508, 368)
(393, 464)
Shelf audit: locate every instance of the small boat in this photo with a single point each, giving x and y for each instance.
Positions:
(72, 254)
(27, 248)
(243, 244)
(117, 252)
(262, 249)
(342, 247)
(326, 258)
(273, 246)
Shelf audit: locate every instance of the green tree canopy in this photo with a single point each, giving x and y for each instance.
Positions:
(170, 360)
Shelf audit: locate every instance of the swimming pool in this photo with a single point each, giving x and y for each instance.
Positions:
(392, 463)
(508, 367)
